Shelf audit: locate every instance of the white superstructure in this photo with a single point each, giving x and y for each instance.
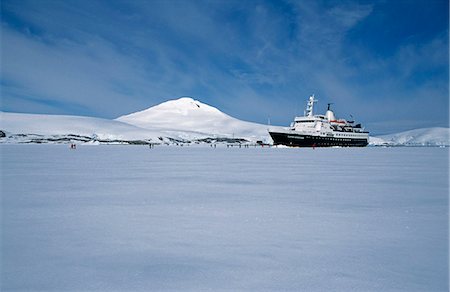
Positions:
(321, 130)
(326, 125)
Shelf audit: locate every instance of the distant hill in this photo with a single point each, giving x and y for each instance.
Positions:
(419, 137)
(33, 128)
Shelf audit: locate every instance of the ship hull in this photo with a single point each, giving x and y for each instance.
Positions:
(303, 140)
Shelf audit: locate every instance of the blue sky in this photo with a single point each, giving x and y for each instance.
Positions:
(384, 62)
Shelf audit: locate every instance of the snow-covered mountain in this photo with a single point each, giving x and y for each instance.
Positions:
(190, 118)
(419, 137)
(176, 121)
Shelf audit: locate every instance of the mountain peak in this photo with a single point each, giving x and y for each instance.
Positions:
(181, 107)
(182, 103)
(188, 114)
(175, 113)
(184, 99)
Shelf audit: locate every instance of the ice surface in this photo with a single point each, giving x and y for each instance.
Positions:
(183, 218)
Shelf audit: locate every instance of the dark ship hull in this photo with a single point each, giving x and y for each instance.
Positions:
(301, 140)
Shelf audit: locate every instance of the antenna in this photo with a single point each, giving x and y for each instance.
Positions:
(310, 106)
(329, 106)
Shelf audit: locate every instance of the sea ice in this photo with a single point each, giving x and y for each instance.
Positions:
(185, 218)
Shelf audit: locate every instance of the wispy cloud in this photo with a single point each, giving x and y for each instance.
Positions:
(87, 75)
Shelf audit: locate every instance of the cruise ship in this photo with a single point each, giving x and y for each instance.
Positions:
(320, 131)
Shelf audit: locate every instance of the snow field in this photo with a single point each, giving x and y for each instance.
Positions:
(183, 218)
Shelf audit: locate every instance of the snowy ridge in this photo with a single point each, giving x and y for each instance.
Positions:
(60, 128)
(188, 115)
(436, 136)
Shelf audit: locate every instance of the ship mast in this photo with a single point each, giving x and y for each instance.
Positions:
(310, 106)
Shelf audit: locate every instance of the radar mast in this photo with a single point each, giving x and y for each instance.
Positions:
(310, 106)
